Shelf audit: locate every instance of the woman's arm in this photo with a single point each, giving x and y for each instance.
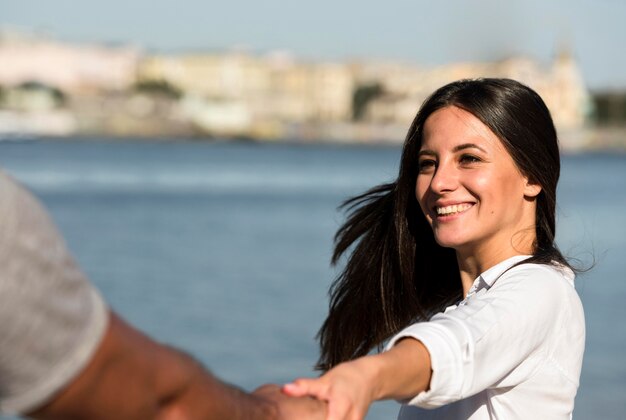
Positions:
(349, 388)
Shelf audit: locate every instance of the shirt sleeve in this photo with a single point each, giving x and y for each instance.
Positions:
(497, 338)
(51, 318)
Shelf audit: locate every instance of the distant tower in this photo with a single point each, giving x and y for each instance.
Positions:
(570, 99)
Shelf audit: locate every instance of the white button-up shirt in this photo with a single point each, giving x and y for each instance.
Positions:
(512, 349)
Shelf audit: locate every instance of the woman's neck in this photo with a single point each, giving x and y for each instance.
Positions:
(472, 264)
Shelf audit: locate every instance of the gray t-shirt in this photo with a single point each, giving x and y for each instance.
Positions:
(51, 318)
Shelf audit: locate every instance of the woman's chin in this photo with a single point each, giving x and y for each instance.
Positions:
(446, 242)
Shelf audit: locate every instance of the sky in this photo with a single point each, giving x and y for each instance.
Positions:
(426, 33)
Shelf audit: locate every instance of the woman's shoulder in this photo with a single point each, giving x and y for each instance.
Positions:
(549, 272)
(547, 293)
(540, 294)
(548, 282)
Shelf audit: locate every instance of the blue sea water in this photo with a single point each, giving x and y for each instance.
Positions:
(223, 249)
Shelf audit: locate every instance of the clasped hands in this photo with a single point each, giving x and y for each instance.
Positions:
(346, 391)
(343, 393)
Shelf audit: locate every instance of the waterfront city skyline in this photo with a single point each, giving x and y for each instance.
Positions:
(427, 34)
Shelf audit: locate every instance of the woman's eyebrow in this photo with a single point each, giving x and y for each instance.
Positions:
(458, 148)
(468, 146)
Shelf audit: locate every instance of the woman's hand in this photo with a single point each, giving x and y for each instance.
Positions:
(349, 389)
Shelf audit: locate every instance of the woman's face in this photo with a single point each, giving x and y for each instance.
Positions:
(469, 187)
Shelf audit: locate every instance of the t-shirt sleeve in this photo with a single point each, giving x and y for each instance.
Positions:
(51, 318)
(498, 338)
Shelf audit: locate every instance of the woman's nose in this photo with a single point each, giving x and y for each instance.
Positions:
(445, 179)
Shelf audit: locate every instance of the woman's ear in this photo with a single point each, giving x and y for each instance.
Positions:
(531, 189)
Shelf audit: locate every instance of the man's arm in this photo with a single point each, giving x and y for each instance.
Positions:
(65, 355)
(133, 377)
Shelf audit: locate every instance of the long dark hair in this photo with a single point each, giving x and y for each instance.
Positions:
(396, 273)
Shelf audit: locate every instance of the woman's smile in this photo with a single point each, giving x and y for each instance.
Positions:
(451, 210)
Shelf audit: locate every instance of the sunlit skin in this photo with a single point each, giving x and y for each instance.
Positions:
(478, 203)
(463, 163)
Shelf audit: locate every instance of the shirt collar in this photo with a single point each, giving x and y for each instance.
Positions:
(487, 278)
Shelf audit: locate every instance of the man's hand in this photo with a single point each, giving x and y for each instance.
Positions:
(292, 408)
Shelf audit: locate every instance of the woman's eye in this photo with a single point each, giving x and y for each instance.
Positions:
(469, 159)
(426, 164)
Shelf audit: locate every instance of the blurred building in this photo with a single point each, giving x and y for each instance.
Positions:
(69, 67)
(405, 87)
(256, 90)
(119, 91)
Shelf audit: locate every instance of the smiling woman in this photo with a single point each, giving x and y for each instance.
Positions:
(472, 193)
(455, 261)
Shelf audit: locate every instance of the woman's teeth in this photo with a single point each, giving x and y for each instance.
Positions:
(456, 208)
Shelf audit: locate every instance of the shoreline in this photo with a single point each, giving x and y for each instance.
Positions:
(608, 140)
